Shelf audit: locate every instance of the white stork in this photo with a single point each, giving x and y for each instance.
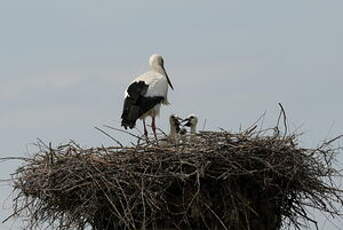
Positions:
(174, 130)
(192, 122)
(174, 122)
(145, 94)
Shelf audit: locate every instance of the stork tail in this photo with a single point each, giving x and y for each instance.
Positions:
(135, 104)
(131, 113)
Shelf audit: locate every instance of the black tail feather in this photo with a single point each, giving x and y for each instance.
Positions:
(130, 114)
(134, 109)
(135, 104)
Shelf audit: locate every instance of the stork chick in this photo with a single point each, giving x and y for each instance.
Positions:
(174, 129)
(191, 121)
(174, 122)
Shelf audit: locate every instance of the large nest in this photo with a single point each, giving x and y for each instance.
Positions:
(220, 180)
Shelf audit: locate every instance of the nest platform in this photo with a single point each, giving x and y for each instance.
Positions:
(220, 180)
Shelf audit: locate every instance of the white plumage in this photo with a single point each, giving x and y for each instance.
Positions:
(174, 127)
(145, 94)
(192, 122)
(174, 130)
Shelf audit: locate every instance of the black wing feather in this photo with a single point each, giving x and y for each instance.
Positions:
(135, 104)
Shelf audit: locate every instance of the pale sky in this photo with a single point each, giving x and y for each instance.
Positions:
(66, 63)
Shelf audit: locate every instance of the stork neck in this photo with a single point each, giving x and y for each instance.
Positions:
(157, 68)
(172, 131)
(193, 129)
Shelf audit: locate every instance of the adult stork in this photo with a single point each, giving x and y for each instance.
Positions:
(145, 94)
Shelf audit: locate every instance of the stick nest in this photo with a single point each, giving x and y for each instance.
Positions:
(220, 180)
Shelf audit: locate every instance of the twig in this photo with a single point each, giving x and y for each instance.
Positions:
(108, 135)
(284, 119)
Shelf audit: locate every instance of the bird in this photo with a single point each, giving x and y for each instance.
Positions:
(145, 94)
(176, 132)
(174, 122)
(174, 129)
(191, 121)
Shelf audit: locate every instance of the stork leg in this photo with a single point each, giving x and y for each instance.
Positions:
(153, 126)
(145, 130)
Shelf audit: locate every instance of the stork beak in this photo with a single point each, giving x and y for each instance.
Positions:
(188, 124)
(180, 119)
(169, 82)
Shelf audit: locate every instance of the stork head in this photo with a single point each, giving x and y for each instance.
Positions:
(156, 60)
(174, 120)
(191, 121)
(157, 63)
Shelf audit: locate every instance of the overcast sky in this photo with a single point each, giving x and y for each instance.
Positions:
(66, 63)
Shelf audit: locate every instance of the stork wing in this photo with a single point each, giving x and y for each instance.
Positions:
(136, 103)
